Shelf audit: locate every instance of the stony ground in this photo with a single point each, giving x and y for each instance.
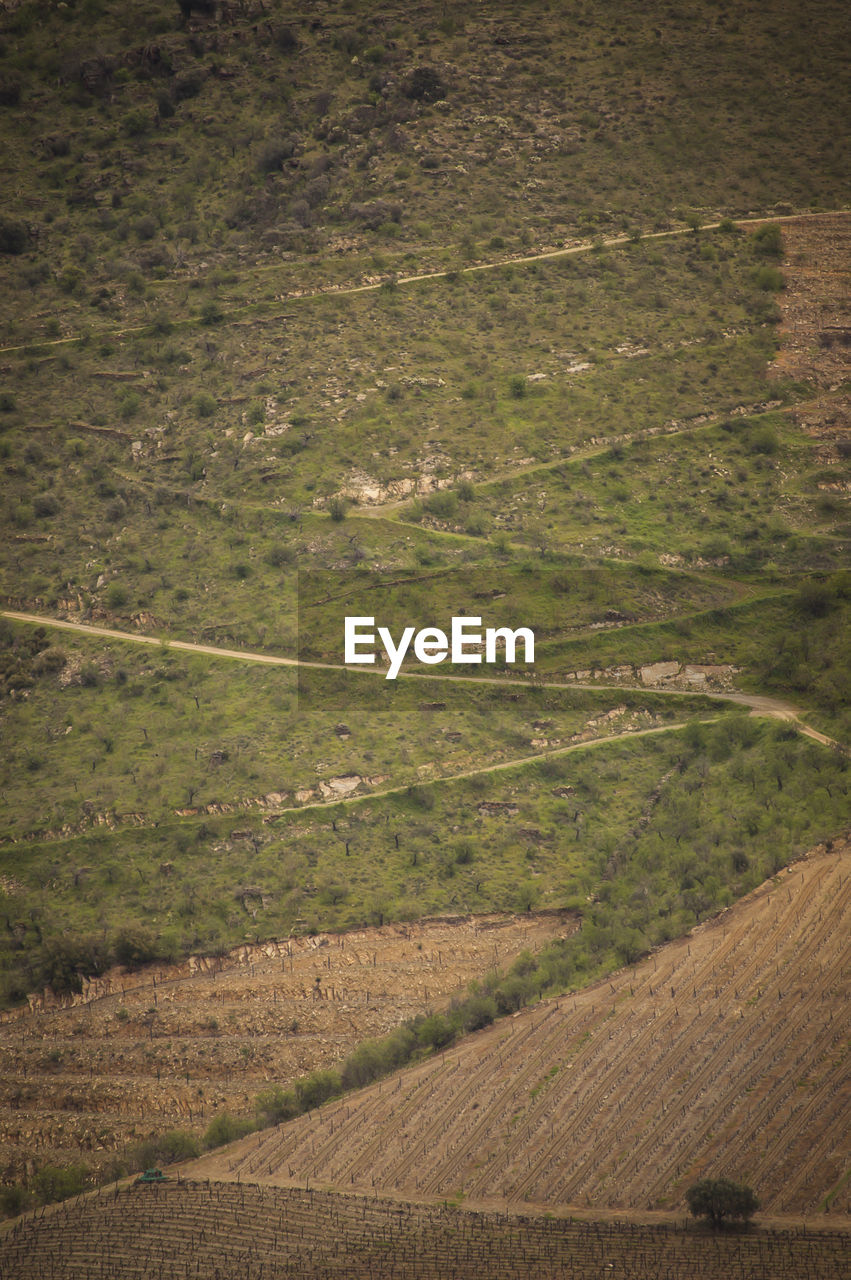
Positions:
(816, 331)
(139, 1053)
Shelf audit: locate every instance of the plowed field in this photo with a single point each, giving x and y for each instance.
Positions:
(724, 1054)
(221, 1231)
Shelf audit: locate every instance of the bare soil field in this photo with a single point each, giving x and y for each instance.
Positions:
(138, 1053)
(192, 1230)
(724, 1054)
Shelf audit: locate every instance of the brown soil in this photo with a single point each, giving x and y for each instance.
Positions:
(816, 330)
(198, 1231)
(141, 1053)
(725, 1054)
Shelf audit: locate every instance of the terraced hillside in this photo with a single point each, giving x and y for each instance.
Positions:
(723, 1054)
(198, 1231)
(412, 310)
(135, 1054)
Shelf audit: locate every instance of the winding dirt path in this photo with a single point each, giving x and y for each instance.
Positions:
(759, 704)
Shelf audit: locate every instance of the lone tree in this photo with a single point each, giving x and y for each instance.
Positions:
(721, 1201)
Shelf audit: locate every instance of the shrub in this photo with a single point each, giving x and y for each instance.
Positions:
(133, 949)
(274, 153)
(763, 440)
(337, 509)
(211, 313)
(435, 1031)
(178, 1144)
(317, 1088)
(45, 505)
(517, 386)
(129, 405)
(286, 39)
(50, 660)
(14, 1200)
(767, 241)
(136, 123)
(205, 405)
(145, 227)
(13, 236)
(280, 555)
(721, 1201)
(442, 504)
(478, 1011)
(188, 7)
(769, 279)
(65, 961)
(189, 84)
(815, 600)
(424, 85)
(10, 93)
(226, 1128)
(55, 1182)
(89, 675)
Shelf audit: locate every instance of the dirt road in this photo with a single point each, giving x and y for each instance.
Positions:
(759, 704)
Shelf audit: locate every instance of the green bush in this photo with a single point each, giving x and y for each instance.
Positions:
(136, 123)
(129, 405)
(317, 1088)
(280, 555)
(13, 236)
(55, 1182)
(205, 405)
(424, 84)
(769, 279)
(767, 241)
(442, 504)
(226, 1128)
(211, 312)
(763, 440)
(274, 153)
(14, 1200)
(116, 595)
(721, 1201)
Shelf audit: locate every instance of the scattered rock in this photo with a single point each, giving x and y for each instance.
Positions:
(659, 672)
(343, 786)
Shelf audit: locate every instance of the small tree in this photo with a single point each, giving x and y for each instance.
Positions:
(721, 1201)
(425, 84)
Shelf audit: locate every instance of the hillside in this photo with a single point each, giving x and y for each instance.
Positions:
(416, 313)
(723, 1054)
(175, 1047)
(186, 1230)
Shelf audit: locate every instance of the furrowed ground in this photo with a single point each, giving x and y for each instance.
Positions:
(174, 1047)
(191, 1230)
(520, 310)
(724, 1054)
